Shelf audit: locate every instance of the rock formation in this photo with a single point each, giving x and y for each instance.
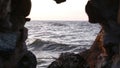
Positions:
(59, 1)
(105, 51)
(106, 13)
(69, 60)
(13, 50)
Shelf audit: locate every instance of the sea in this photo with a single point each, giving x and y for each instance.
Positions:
(48, 39)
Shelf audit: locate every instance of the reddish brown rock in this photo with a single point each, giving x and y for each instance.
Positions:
(96, 55)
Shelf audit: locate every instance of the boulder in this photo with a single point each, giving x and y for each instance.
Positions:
(69, 60)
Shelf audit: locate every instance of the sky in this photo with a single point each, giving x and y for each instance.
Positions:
(49, 10)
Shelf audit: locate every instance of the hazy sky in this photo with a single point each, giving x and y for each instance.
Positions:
(49, 10)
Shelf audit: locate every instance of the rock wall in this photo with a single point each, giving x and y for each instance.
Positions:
(13, 50)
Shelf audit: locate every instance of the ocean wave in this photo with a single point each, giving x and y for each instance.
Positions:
(40, 45)
(47, 51)
(59, 24)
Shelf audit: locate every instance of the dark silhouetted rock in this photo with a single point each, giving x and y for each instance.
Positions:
(13, 34)
(28, 61)
(59, 1)
(94, 14)
(14, 53)
(8, 42)
(99, 11)
(5, 24)
(69, 60)
(107, 14)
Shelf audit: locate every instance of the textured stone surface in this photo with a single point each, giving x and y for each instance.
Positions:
(8, 41)
(69, 60)
(13, 50)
